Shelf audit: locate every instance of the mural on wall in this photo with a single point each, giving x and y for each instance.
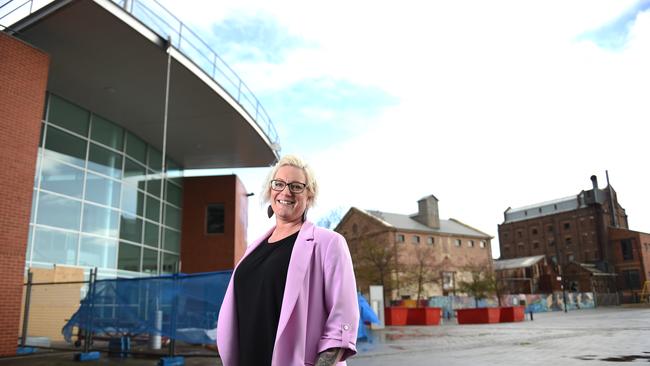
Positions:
(535, 303)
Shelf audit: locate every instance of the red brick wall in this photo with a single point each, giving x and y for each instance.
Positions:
(201, 252)
(23, 82)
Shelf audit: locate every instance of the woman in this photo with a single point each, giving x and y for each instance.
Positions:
(292, 299)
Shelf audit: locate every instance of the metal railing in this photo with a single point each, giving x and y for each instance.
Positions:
(153, 15)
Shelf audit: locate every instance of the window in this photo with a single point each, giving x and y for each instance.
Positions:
(447, 280)
(549, 228)
(554, 259)
(535, 245)
(626, 249)
(570, 257)
(415, 239)
(399, 238)
(567, 240)
(215, 219)
(631, 279)
(431, 240)
(482, 244)
(458, 242)
(505, 235)
(534, 231)
(470, 243)
(355, 229)
(551, 242)
(519, 234)
(567, 225)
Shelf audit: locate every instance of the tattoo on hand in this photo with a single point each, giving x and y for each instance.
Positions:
(329, 357)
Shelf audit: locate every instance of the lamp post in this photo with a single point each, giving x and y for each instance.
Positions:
(559, 272)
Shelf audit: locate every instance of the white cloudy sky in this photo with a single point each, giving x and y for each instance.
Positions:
(485, 104)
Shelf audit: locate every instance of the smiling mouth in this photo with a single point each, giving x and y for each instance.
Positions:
(286, 203)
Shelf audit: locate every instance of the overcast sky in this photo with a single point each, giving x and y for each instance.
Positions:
(485, 104)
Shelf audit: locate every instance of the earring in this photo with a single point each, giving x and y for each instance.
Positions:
(304, 216)
(269, 211)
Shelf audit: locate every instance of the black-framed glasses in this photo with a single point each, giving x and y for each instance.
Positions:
(294, 187)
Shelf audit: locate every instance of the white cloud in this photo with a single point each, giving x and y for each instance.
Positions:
(498, 105)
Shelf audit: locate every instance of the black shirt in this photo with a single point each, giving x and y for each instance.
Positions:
(259, 287)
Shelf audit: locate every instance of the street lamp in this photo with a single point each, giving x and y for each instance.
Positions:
(559, 272)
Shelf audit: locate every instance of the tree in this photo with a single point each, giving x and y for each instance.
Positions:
(481, 284)
(374, 262)
(422, 270)
(331, 219)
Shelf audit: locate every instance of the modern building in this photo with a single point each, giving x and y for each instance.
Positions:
(589, 229)
(103, 105)
(418, 250)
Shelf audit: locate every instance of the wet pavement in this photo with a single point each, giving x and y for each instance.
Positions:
(602, 336)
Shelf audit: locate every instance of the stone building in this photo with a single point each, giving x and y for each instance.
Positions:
(589, 229)
(407, 252)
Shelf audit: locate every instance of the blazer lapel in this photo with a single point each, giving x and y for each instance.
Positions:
(299, 264)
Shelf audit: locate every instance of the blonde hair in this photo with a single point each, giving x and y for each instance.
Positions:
(294, 161)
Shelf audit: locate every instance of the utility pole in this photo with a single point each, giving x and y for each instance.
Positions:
(561, 274)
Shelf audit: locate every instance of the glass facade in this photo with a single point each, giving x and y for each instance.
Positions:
(98, 197)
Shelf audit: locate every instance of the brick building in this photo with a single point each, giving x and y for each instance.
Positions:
(589, 229)
(440, 250)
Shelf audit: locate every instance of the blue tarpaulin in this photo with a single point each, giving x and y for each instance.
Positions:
(367, 315)
(184, 307)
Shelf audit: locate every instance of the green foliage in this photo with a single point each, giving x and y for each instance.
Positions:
(481, 285)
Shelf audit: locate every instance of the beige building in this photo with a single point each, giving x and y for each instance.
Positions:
(411, 254)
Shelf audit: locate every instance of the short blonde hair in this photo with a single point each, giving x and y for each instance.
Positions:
(295, 161)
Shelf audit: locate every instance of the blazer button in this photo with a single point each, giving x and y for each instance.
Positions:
(346, 327)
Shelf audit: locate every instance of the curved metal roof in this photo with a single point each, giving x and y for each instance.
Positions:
(107, 57)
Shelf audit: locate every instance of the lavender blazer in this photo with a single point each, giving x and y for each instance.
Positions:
(319, 307)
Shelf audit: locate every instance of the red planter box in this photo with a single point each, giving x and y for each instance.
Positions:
(478, 315)
(512, 314)
(395, 315)
(423, 316)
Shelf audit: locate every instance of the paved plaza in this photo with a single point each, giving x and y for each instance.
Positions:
(602, 336)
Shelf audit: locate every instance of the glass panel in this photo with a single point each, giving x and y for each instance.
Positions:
(151, 234)
(153, 209)
(58, 211)
(153, 185)
(104, 161)
(173, 217)
(66, 147)
(54, 246)
(97, 252)
(172, 240)
(40, 140)
(131, 228)
(100, 221)
(102, 190)
(136, 148)
(169, 264)
(155, 159)
(107, 133)
(149, 261)
(68, 115)
(61, 178)
(33, 210)
(128, 257)
(174, 194)
(132, 200)
(134, 173)
(175, 172)
(38, 168)
(30, 236)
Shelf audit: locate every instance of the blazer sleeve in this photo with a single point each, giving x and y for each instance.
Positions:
(341, 306)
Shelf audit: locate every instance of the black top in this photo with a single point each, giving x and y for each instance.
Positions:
(259, 287)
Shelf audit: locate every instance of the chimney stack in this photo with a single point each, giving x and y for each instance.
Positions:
(594, 183)
(428, 212)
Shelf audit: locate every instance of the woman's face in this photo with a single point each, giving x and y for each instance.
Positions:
(289, 206)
